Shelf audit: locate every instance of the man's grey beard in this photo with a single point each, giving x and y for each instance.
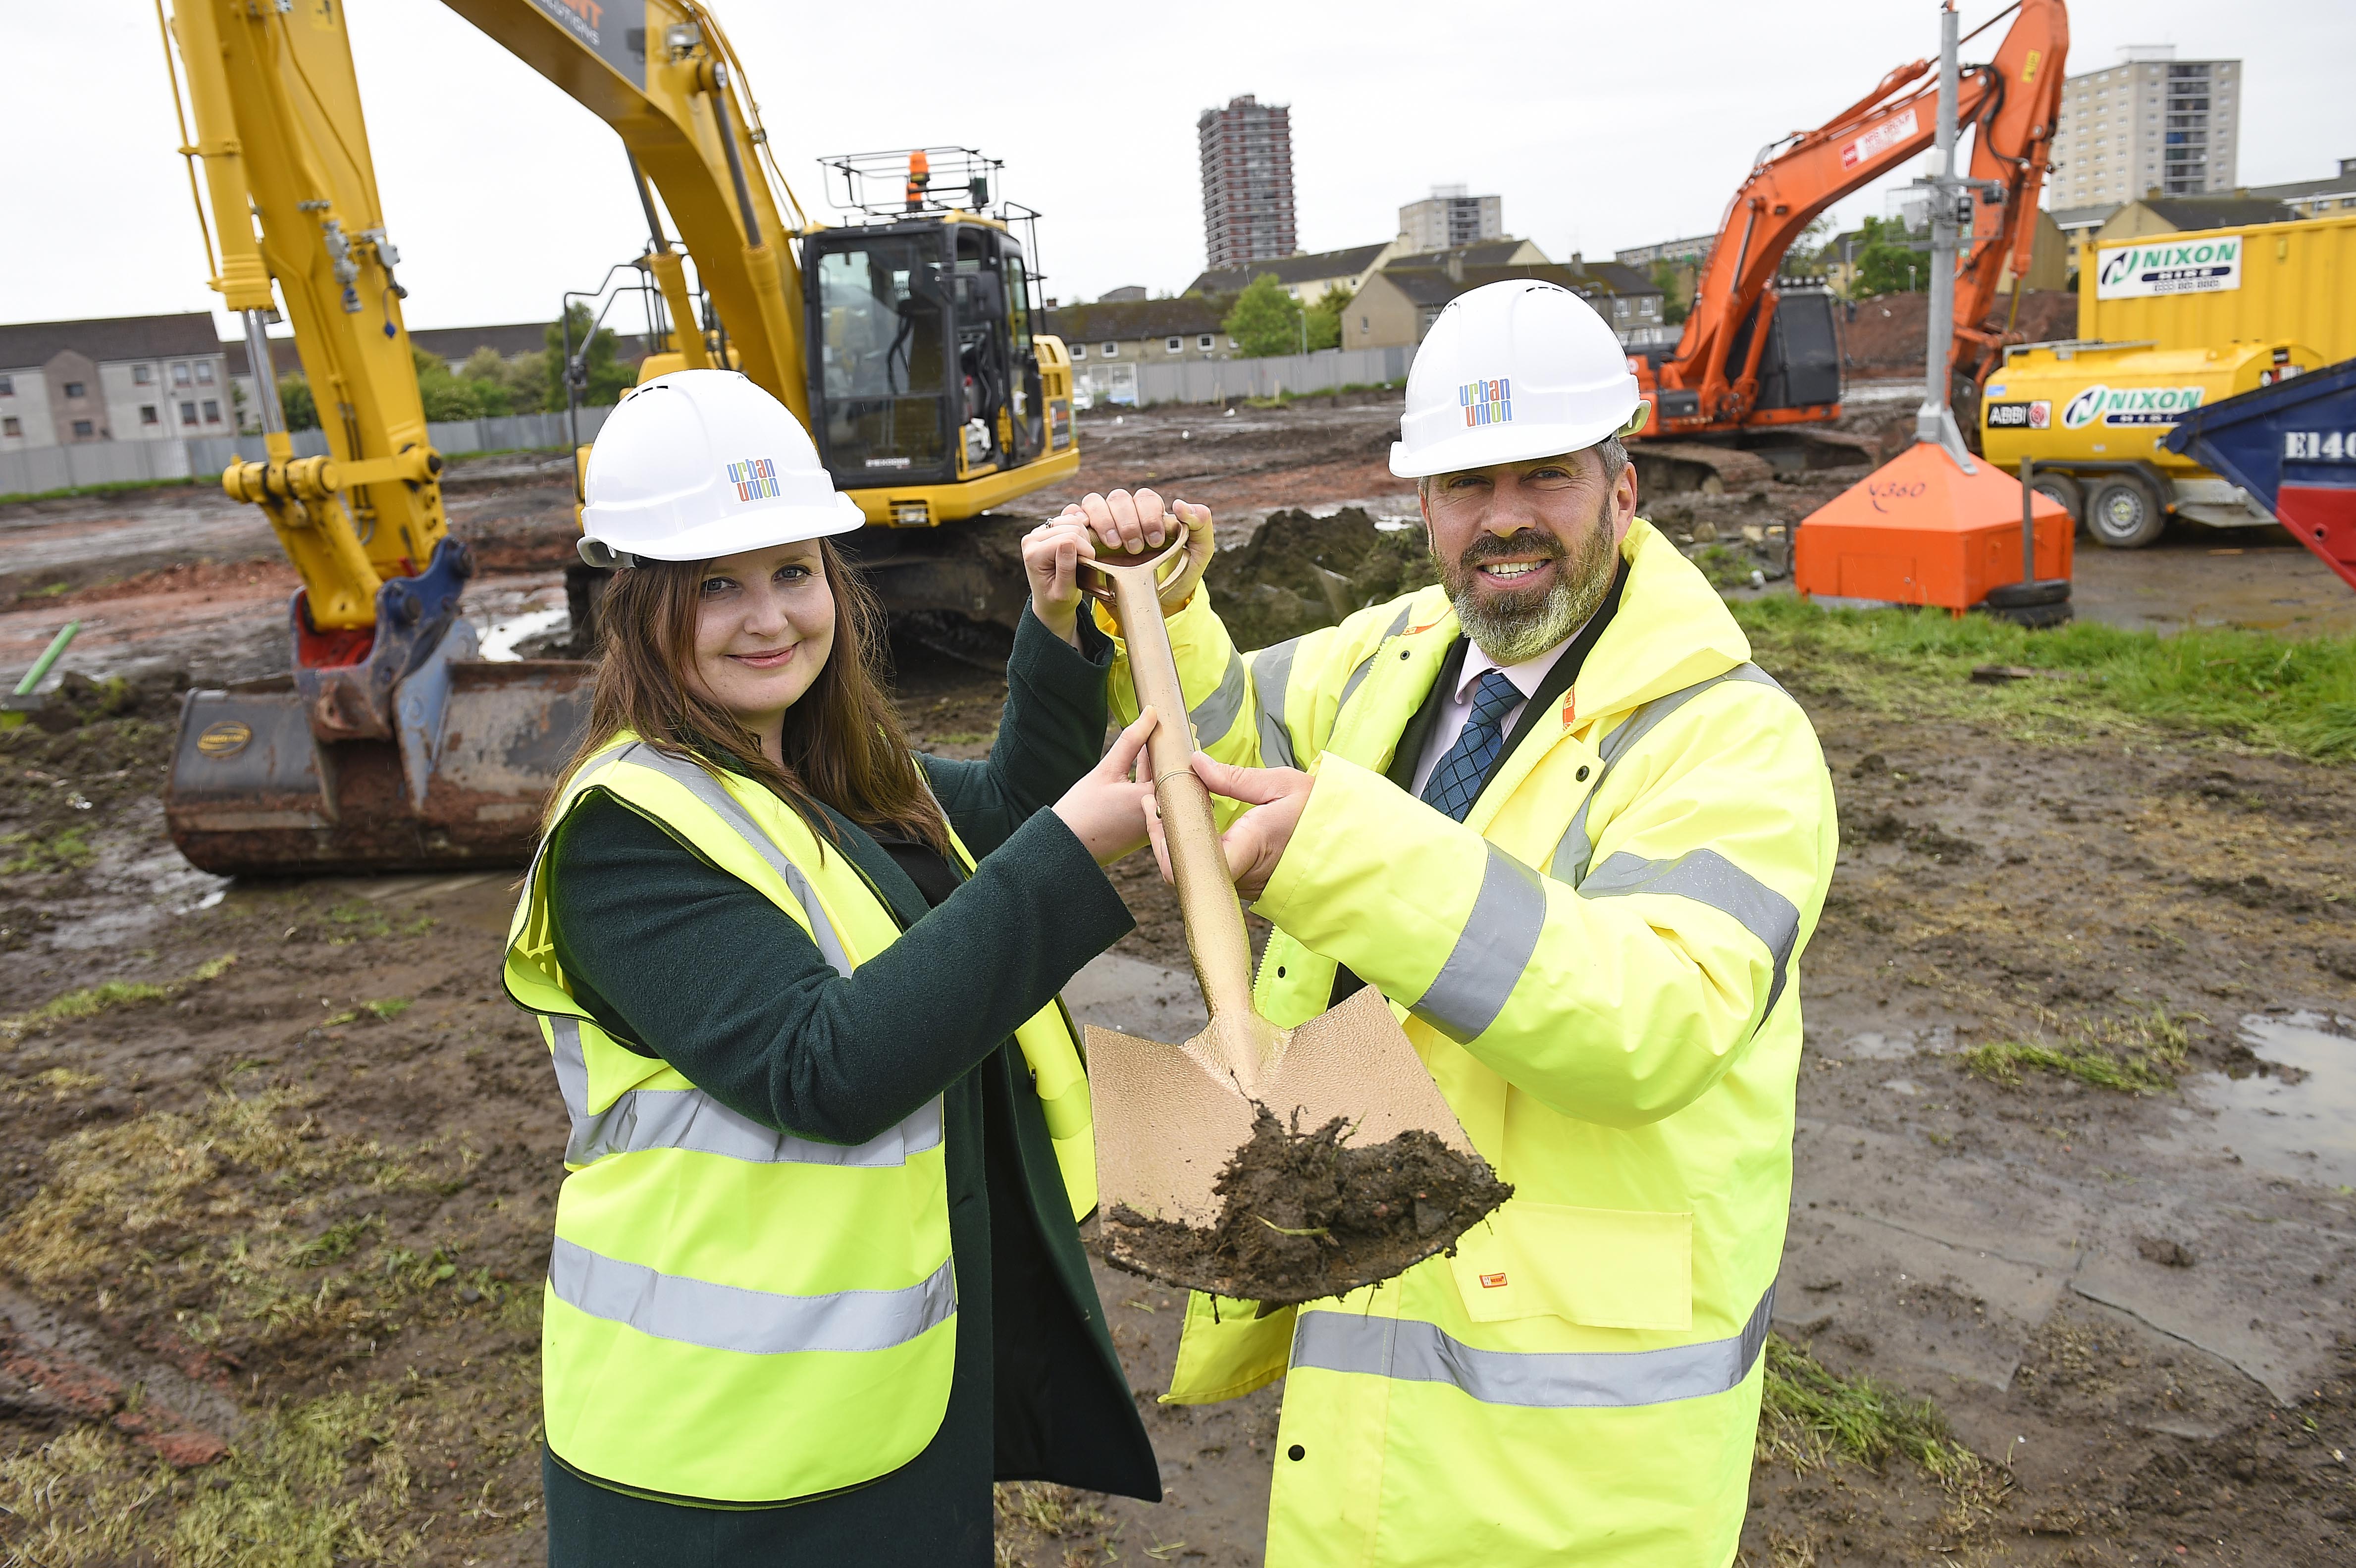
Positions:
(1511, 629)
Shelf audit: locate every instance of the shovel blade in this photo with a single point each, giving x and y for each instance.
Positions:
(1169, 1119)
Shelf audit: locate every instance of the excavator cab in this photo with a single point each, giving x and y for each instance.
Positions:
(922, 369)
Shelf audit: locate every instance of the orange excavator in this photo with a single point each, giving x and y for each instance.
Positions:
(1757, 373)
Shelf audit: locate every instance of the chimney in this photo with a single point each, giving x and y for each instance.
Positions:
(1455, 264)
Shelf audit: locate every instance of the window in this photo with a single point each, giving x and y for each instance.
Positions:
(1204, 342)
(204, 372)
(1109, 350)
(148, 414)
(187, 414)
(1173, 345)
(212, 412)
(84, 429)
(180, 376)
(12, 426)
(1079, 350)
(8, 386)
(142, 375)
(76, 389)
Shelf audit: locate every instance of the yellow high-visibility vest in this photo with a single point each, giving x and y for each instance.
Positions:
(733, 1313)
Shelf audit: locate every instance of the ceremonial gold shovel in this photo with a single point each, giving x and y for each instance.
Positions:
(1170, 1118)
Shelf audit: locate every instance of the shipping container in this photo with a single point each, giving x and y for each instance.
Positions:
(2265, 283)
(2095, 419)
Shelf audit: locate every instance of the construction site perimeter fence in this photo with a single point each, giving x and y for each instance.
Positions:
(45, 468)
(1142, 384)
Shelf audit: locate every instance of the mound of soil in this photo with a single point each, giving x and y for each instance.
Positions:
(1307, 1216)
(1300, 572)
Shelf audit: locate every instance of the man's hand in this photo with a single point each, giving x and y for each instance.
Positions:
(1051, 555)
(1277, 795)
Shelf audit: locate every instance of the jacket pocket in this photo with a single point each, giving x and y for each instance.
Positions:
(1602, 1268)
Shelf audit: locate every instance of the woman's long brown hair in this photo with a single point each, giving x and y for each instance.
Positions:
(843, 744)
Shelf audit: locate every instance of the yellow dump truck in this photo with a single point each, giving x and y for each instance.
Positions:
(2095, 418)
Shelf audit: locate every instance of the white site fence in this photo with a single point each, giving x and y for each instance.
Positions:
(1220, 381)
(47, 469)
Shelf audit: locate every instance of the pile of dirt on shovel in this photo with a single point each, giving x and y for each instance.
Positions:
(1308, 1216)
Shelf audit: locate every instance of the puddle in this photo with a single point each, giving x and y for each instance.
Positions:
(2304, 1130)
(500, 637)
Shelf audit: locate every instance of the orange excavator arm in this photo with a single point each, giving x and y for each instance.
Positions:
(2013, 102)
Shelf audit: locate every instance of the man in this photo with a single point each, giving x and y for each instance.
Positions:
(1551, 811)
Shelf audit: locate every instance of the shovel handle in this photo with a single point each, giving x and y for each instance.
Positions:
(1216, 938)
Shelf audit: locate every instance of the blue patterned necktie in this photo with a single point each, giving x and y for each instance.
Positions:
(1455, 781)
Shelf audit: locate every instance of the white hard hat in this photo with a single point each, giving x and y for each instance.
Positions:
(700, 463)
(1511, 371)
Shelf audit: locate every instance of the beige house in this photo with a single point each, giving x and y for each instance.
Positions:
(2157, 214)
(1111, 337)
(1305, 277)
(1399, 303)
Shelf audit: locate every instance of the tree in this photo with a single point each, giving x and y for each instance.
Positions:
(296, 402)
(1266, 321)
(1887, 260)
(1326, 316)
(447, 395)
(1673, 303)
(606, 377)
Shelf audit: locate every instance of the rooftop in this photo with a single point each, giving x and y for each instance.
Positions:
(108, 339)
(1307, 267)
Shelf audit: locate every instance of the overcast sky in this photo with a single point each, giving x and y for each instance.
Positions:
(1601, 127)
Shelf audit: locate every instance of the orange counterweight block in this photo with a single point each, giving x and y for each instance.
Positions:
(1920, 530)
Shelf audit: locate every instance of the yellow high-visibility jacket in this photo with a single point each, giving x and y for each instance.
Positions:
(1599, 968)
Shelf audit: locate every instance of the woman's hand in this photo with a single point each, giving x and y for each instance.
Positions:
(1051, 556)
(1122, 523)
(1106, 810)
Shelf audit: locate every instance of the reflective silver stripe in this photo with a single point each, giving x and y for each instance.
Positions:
(1571, 855)
(1415, 1351)
(750, 1322)
(1215, 715)
(1271, 673)
(710, 790)
(1490, 952)
(1708, 877)
(1366, 665)
(642, 1119)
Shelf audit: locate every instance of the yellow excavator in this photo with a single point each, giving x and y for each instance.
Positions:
(390, 745)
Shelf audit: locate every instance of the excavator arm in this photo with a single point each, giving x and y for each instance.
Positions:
(663, 75)
(2013, 102)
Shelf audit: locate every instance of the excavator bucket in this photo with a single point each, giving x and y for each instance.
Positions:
(416, 757)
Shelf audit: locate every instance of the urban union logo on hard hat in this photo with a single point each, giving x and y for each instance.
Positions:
(2129, 405)
(756, 478)
(1486, 403)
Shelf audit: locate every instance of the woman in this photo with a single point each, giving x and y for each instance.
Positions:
(816, 1281)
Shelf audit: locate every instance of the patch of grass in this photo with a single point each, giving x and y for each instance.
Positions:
(334, 1244)
(112, 488)
(964, 736)
(384, 1010)
(359, 919)
(2269, 693)
(295, 1492)
(1808, 1417)
(2140, 1053)
(67, 849)
(92, 1000)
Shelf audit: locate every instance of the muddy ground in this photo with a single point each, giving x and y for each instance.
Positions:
(276, 1161)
